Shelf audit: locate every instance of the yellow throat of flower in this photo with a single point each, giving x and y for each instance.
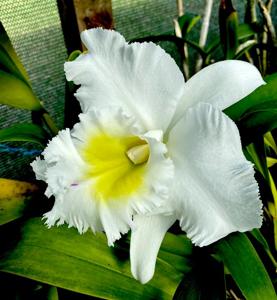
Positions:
(116, 165)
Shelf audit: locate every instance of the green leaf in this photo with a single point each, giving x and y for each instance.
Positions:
(24, 133)
(187, 22)
(7, 64)
(262, 241)
(241, 259)
(15, 92)
(262, 94)
(245, 47)
(74, 54)
(256, 113)
(83, 263)
(255, 152)
(259, 120)
(14, 197)
(212, 45)
(270, 142)
(246, 31)
(177, 250)
(271, 161)
(9, 58)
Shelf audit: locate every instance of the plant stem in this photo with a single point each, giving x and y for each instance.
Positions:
(49, 122)
(268, 21)
(204, 31)
(180, 7)
(251, 14)
(178, 32)
(183, 49)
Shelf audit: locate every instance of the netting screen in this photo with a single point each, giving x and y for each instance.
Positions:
(35, 30)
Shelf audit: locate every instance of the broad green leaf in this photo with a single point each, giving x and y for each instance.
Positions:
(83, 263)
(187, 22)
(24, 133)
(263, 94)
(7, 64)
(255, 113)
(258, 120)
(14, 196)
(15, 92)
(241, 259)
(9, 58)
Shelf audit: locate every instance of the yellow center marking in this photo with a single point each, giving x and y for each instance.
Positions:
(115, 175)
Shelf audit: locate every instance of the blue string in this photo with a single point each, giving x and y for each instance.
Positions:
(20, 150)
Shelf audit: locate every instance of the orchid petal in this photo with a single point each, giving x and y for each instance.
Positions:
(215, 189)
(140, 78)
(221, 84)
(94, 183)
(146, 239)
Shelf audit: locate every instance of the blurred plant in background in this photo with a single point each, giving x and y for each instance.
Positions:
(239, 266)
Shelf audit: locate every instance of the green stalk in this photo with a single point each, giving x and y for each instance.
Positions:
(49, 122)
(250, 12)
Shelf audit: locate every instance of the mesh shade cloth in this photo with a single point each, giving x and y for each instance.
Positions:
(35, 31)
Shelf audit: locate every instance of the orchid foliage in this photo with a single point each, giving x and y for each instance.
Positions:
(153, 189)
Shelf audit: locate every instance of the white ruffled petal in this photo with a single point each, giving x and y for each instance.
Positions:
(94, 183)
(221, 84)
(75, 208)
(140, 78)
(215, 189)
(39, 166)
(146, 239)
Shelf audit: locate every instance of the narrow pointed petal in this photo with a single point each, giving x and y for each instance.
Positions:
(146, 239)
(215, 189)
(221, 84)
(140, 78)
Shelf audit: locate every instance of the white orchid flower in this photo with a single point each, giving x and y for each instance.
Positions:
(151, 149)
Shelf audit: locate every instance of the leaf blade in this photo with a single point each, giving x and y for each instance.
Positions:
(24, 132)
(239, 256)
(16, 93)
(14, 197)
(48, 256)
